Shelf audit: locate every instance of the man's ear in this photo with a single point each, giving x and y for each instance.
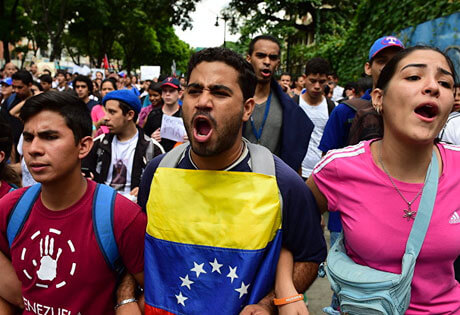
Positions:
(367, 68)
(248, 58)
(248, 108)
(85, 145)
(2, 156)
(130, 114)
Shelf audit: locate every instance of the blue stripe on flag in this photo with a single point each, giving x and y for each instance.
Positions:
(194, 279)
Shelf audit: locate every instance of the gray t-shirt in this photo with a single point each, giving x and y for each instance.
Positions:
(271, 132)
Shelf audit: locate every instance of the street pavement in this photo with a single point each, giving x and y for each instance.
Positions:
(320, 293)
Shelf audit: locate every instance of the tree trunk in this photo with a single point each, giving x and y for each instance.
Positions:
(6, 51)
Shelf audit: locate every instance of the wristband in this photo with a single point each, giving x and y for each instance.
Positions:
(288, 300)
(127, 301)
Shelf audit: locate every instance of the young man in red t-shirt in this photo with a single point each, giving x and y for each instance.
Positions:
(56, 255)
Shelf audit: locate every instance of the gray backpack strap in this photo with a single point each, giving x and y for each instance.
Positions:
(172, 158)
(262, 160)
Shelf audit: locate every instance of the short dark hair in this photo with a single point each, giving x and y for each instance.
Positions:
(125, 108)
(317, 65)
(69, 106)
(262, 37)
(155, 86)
(46, 78)
(364, 84)
(247, 79)
(37, 84)
(24, 76)
(286, 73)
(84, 78)
(390, 68)
(60, 71)
(110, 80)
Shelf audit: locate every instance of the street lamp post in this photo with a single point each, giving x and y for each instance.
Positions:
(224, 17)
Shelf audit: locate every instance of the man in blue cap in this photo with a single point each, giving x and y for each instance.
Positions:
(336, 132)
(119, 158)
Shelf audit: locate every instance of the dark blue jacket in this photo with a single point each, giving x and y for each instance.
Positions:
(295, 131)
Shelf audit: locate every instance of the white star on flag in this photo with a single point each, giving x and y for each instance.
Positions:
(215, 266)
(198, 269)
(232, 274)
(181, 299)
(243, 289)
(186, 282)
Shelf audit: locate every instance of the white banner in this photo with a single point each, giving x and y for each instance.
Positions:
(150, 72)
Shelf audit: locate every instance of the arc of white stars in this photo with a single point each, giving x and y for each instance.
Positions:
(215, 266)
(181, 299)
(186, 282)
(232, 274)
(198, 269)
(243, 289)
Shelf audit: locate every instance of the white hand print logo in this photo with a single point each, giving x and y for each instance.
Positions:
(48, 261)
(48, 265)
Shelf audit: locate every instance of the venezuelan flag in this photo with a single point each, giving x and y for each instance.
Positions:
(213, 241)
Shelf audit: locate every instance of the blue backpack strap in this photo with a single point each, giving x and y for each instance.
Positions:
(21, 211)
(103, 209)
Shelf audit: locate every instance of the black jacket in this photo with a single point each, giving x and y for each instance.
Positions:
(99, 159)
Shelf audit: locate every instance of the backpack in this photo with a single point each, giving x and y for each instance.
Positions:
(367, 123)
(330, 104)
(103, 207)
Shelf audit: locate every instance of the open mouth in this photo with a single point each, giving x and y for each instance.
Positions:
(266, 72)
(202, 129)
(427, 110)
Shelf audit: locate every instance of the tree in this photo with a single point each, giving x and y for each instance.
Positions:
(13, 24)
(294, 22)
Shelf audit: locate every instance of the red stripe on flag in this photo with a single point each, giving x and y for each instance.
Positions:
(150, 310)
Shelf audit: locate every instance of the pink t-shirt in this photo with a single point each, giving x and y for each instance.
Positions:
(97, 112)
(58, 260)
(376, 232)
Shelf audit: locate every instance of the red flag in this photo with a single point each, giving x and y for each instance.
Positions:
(106, 62)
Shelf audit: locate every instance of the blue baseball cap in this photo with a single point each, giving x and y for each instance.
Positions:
(126, 96)
(382, 43)
(7, 81)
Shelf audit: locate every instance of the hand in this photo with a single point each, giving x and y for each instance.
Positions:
(256, 309)
(156, 135)
(134, 192)
(295, 308)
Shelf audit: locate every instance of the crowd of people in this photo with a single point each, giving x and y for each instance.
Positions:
(205, 193)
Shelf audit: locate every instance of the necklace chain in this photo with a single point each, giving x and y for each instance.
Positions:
(409, 214)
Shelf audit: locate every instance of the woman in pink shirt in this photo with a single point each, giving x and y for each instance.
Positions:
(376, 185)
(98, 111)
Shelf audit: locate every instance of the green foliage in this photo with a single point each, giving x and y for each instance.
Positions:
(344, 29)
(14, 24)
(374, 19)
(126, 30)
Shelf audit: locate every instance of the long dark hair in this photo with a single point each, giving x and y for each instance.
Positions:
(6, 145)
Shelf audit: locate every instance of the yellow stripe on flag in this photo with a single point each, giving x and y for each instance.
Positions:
(238, 210)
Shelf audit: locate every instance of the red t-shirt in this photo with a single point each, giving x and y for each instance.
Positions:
(57, 258)
(4, 188)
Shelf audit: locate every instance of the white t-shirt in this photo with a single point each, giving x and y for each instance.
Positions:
(119, 176)
(451, 131)
(319, 116)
